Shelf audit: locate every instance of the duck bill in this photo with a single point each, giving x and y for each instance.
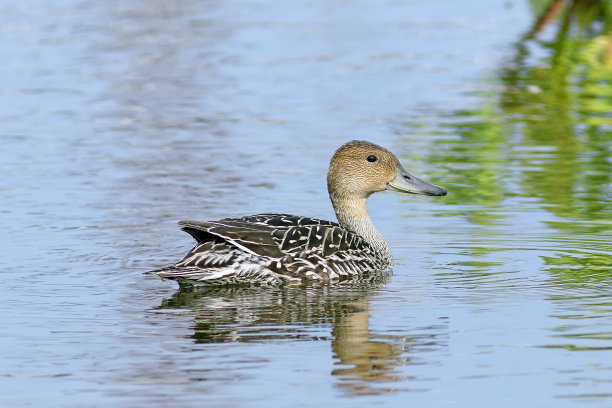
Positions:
(405, 182)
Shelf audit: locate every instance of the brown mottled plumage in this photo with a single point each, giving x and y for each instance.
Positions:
(275, 248)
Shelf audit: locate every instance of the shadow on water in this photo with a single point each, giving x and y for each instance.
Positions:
(366, 362)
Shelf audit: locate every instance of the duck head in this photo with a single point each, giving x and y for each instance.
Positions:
(359, 169)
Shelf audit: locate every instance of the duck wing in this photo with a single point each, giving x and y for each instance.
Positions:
(276, 235)
(283, 220)
(251, 238)
(274, 247)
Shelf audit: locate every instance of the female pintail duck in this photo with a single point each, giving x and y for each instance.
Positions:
(275, 248)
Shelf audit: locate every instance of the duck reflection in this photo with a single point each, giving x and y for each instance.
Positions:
(363, 356)
(303, 313)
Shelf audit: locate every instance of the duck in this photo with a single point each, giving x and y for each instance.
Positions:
(274, 248)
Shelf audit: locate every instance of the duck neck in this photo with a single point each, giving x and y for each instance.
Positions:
(353, 215)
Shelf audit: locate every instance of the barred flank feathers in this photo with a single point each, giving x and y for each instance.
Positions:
(272, 249)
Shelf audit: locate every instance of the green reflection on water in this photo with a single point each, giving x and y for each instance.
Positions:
(548, 133)
(478, 164)
(538, 146)
(561, 104)
(557, 94)
(580, 268)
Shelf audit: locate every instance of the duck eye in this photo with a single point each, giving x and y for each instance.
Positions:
(371, 158)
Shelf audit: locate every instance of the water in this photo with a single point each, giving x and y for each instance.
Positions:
(121, 117)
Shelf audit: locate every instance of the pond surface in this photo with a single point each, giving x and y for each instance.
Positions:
(120, 118)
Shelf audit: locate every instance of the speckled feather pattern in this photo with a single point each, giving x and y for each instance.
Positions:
(271, 249)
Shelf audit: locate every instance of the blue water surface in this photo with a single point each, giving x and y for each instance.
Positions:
(120, 118)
